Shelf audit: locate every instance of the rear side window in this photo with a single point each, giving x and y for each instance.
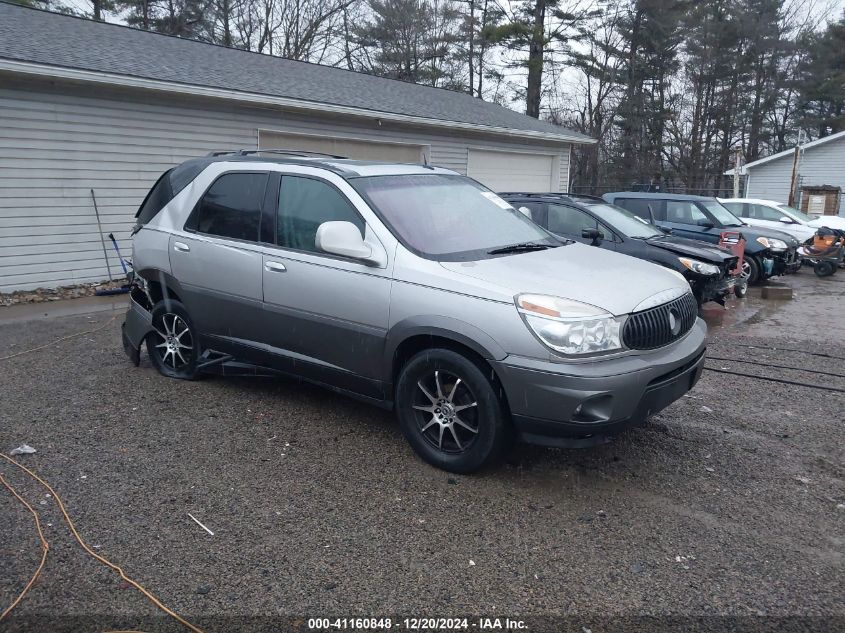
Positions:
(158, 196)
(231, 207)
(304, 204)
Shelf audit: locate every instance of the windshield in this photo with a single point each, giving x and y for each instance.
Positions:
(722, 215)
(800, 215)
(448, 217)
(624, 222)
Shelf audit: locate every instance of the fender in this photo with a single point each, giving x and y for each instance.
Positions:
(445, 327)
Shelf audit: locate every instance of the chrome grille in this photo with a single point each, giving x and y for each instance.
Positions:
(652, 328)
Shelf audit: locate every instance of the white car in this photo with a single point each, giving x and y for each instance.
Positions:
(776, 215)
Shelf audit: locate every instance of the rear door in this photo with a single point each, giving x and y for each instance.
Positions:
(217, 260)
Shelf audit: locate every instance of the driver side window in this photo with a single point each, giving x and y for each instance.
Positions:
(684, 212)
(569, 221)
(304, 204)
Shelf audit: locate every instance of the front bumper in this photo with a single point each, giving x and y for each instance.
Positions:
(559, 404)
(716, 289)
(786, 262)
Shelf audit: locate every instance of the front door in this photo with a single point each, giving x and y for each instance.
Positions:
(326, 316)
(686, 219)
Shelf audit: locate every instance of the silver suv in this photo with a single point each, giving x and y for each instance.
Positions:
(413, 288)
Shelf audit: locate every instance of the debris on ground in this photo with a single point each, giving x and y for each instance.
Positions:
(23, 449)
(706, 409)
(195, 520)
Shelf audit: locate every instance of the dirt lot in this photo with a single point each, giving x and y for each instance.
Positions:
(729, 503)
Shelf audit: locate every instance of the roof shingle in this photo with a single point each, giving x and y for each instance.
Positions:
(40, 37)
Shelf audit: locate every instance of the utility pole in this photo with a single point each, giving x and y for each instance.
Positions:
(737, 169)
(796, 164)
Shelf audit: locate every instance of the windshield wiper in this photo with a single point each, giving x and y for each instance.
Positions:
(518, 248)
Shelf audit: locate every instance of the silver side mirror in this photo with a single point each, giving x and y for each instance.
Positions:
(344, 239)
(526, 212)
(787, 220)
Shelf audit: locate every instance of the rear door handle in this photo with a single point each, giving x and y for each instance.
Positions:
(181, 247)
(274, 267)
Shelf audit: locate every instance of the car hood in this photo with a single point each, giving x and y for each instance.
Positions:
(753, 232)
(830, 221)
(692, 248)
(611, 281)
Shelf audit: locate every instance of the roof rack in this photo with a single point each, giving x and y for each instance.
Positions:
(534, 194)
(284, 152)
(585, 196)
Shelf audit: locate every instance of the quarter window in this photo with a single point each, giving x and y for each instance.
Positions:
(304, 204)
(231, 207)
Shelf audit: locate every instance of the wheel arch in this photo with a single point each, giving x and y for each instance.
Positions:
(415, 335)
(161, 285)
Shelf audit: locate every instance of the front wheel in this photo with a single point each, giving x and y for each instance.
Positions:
(750, 269)
(741, 289)
(450, 413)
(174, 345)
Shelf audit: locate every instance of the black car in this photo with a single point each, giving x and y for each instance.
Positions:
(594, 221)
(767, 252)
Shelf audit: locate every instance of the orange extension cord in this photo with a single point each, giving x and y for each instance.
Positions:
(45, 547)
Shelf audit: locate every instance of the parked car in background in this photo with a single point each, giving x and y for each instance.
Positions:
(595, 222)
(412, 288)
(767, 252)
(782, 217)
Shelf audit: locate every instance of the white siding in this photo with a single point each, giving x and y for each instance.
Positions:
(821, 165)
(57, 142)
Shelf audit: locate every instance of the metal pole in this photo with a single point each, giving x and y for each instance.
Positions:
(102, 239)
(737, 167)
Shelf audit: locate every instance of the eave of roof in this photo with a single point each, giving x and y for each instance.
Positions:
(788, 152)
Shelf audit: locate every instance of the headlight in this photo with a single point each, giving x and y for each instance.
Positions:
(772, 243)
(570, 327)
(699, 267)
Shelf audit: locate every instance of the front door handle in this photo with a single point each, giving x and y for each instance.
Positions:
(181, 247)
(274, 267)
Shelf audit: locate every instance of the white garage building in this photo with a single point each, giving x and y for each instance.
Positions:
(91, 106)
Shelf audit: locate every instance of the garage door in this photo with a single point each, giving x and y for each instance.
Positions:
(513, 171)
(351, 148)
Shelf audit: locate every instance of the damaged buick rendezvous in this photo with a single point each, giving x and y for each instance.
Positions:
(413, 288)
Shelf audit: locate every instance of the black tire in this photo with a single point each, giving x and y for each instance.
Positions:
(174, 346)
(751, 267)
(438, 434)
(740, 290)
(824, 269)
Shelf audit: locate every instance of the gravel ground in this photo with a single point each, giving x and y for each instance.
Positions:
(729, 503)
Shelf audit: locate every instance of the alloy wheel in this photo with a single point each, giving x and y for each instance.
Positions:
(446, 412)
(746, 269)
(177, 344)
